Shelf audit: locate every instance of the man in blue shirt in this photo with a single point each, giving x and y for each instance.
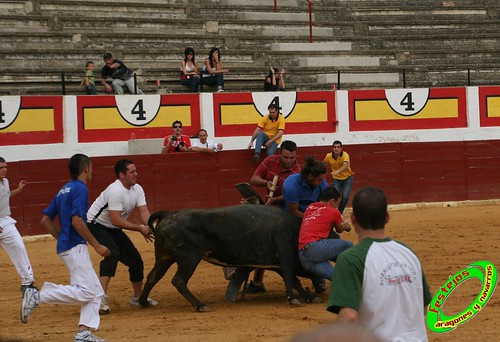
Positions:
(70, 205)
(302, 189)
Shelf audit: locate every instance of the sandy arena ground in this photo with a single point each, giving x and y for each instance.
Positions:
(446, 238)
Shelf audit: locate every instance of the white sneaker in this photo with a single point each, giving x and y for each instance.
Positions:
(104, 307)
(135, 302)
(31, 299)
(87, 336)
(220, 90)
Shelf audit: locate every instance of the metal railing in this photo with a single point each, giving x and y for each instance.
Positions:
(436, 77)
(63, 83)
(310, 10)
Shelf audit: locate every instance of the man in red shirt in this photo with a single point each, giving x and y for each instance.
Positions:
(282, 165)
(177, 142)
(316, 249)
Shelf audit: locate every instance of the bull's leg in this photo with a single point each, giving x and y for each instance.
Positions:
(159, 269)
(186, 268)
(309, 298)
(286, 273)
(289, 285)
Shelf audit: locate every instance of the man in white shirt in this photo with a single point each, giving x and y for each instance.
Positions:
(204, 145)
(108, 217)
(10, 239)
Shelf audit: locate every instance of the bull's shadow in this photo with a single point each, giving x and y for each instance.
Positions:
(251, 236)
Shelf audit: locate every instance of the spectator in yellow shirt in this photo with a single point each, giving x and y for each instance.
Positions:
(342, 174)
(268, 132)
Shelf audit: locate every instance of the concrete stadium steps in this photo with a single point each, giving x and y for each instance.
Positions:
(44, 36)
(455, 59)
(275, 17)
(403, 12)
(112, 9)
(413, 3)
(388, 78)
(312, 47)
(339, 61)
(451, 78)
(181, 27)
(439, 43)
(19, 23)
(427, 28)
(262, 3)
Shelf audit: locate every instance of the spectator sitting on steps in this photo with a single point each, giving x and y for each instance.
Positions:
(121, 75)
(189, 71)
(275, 80)
(89, 79)
(213, 73)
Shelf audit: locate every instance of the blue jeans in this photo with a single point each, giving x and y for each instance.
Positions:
(260, 141)
(91, 89)
(192, 82)
(315, 256)
(344, 187)
(217, 79)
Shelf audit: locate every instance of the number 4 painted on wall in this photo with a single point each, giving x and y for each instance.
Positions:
(407, 102)
(138, 110)
(276, 102)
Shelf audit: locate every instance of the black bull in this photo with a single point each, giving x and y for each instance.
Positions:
(255, 236)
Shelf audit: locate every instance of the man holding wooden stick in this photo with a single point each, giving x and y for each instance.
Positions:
(271, 173)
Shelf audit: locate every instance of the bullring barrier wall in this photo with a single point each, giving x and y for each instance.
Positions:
(444, 146)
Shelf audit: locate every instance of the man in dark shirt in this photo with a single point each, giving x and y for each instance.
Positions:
(121, 75)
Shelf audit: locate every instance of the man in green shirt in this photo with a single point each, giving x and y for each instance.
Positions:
(379, 283)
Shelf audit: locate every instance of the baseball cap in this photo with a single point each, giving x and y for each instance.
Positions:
(107, 55)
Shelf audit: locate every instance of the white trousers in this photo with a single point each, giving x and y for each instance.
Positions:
(12, 242)
(118, 86)
(85, 288)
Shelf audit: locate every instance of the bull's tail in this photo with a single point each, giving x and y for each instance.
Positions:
(156, 217)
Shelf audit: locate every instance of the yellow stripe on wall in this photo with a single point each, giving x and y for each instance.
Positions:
(109, 118)
(493, 106)
(32, 120)
(239, 114)
(248, 114)
(309, 112)
(380, 110)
